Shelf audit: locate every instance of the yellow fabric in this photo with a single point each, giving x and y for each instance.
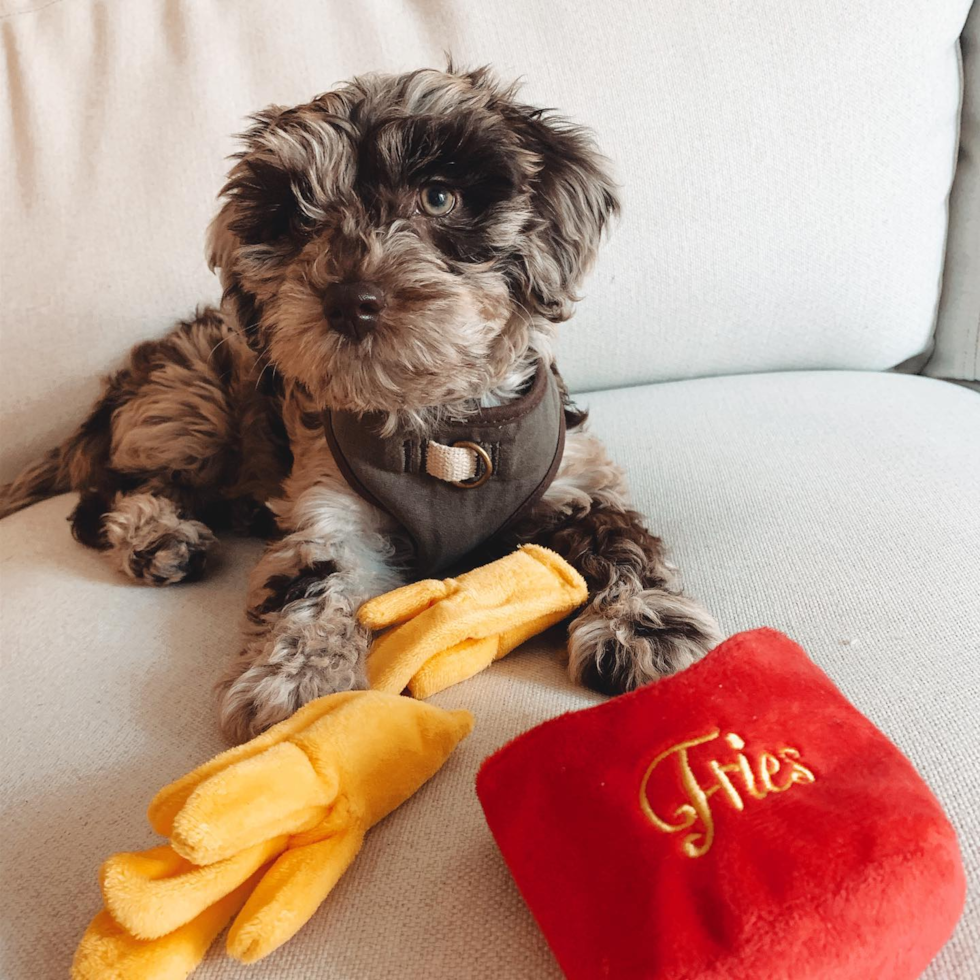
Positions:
(290, 893)
(446, 631)
(151, 893)
(301, 796)
(108, 952)
(165, 806)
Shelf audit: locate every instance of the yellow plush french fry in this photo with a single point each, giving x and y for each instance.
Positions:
(170, 800)
(378, 749)
(297, 800)
(109, 952)
(290, 892)
(442, 632)
(150, 893)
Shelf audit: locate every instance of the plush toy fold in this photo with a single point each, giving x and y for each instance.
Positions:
(738, 820)
(264, 830)
(446, 631)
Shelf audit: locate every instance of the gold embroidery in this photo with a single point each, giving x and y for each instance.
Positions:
(725, 784)
(689, 813)
(768, 767)
(695, 814)
(800, 772)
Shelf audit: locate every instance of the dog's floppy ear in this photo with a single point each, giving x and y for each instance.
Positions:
(573, 199)
(222, 244)
(267, 196)
(254, 197)
(265, 204)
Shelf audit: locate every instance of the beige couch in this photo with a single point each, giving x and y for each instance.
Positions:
(789, 238)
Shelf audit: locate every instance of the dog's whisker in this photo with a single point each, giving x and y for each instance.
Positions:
(265, 367)
(223, 340)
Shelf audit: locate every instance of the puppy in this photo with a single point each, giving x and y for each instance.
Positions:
(402, 250)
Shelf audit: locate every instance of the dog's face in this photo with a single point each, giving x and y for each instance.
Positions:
(406, 241)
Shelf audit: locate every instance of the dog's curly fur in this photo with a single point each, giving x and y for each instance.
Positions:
(217, 424)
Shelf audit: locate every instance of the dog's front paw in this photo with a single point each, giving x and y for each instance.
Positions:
(177, 555)
(302, 659)
(621, 642)
(151, 542)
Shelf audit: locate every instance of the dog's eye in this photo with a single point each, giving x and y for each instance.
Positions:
(437, 200)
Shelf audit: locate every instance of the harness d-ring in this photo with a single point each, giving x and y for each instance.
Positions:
(487, 466)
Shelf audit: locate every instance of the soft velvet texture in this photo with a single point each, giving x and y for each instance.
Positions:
(753, 824)
(109, 952)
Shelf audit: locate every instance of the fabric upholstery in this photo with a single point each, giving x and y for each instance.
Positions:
(785, 168)
(957, 342)
(838, 507)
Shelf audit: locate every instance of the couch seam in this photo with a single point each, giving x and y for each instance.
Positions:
(29, 10)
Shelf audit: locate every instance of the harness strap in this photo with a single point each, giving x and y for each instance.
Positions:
(450, 463)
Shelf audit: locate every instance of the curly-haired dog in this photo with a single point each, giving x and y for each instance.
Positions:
(401, 249)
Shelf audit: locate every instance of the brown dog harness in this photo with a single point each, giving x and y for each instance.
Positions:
(470, 479)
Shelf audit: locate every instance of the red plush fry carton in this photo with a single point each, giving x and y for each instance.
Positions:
(740, 821)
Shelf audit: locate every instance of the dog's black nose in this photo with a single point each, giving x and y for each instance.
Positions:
(352, 308)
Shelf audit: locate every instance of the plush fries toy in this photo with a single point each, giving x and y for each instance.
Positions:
(261, 833)
(108, 952)
(739, 820)
(264, 830)
(447, 630)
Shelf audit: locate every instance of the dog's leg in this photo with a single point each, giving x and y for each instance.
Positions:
(180, 441)
(147, 536)
(638, 625)
(303, 639)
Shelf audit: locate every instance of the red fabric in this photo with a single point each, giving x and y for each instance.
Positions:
(849, 870)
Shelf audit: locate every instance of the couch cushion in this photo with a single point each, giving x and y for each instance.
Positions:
(957, 347)
(785, 169)
(838, 507)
